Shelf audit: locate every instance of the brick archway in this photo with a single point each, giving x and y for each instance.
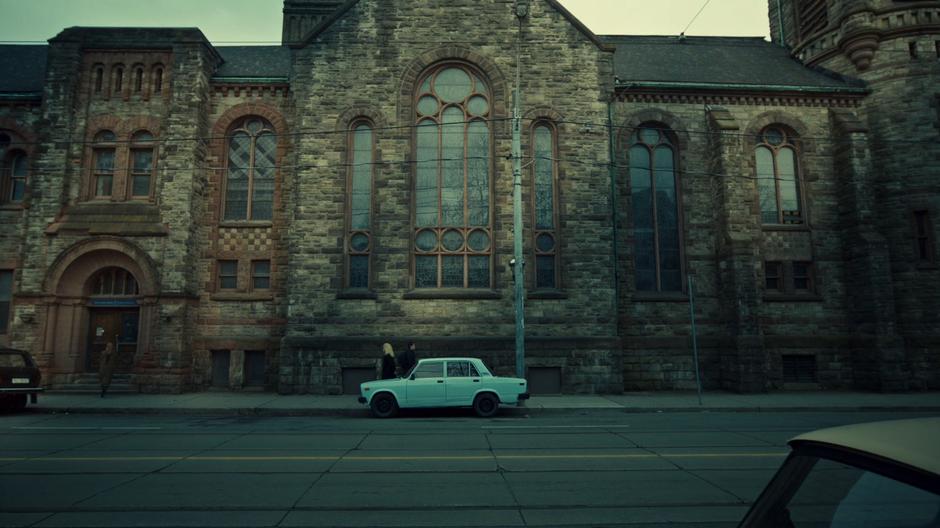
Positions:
(70, 305)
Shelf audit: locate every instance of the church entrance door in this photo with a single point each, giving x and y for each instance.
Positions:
(116, 326)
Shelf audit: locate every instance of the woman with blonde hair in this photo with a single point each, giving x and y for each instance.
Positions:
(388, 361)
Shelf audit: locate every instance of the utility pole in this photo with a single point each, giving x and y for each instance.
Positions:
(518, 261)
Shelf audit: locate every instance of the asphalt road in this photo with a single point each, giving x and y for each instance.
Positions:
(445, 469)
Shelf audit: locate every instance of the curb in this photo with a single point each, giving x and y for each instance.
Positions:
(521, 412)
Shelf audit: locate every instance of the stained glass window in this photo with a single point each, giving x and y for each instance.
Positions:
(546, 246)
(252, 155)
(452, 180)
(777, 177)
(655, 210)
(359, 233)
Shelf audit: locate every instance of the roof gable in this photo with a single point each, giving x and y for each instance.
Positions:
(555, 4)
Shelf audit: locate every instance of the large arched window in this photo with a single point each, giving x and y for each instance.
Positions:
(778, 177)
(544, 208)
(453, 226)
(249, 184)
(656, 222)
(359, 233)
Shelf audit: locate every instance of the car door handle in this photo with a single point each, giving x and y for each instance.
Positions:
(476, 381)
(440, 381)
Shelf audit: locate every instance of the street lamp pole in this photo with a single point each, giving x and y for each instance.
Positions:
(518, 274)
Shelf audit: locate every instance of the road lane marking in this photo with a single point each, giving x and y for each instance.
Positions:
(403, 458)
(56, 428)
(553, 426)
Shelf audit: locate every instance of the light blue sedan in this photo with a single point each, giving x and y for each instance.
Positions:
(444, 382)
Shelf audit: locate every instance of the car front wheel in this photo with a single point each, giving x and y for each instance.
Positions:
(384, 406)
(485, 405)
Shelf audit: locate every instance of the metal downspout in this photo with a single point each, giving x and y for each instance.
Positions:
(783, 36)
(615, 252)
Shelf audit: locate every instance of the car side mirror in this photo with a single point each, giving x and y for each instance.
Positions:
(412, 377)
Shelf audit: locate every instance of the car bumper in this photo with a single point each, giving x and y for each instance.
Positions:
(524, 396)
(20, 390)
(362, 399)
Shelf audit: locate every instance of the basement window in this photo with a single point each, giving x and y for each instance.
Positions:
(798, 368)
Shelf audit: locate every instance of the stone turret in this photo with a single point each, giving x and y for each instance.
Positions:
(894, 47)
(301, 16)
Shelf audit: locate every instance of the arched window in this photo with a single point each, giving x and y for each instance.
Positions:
(778, 177)
(99, 79)
(114, 282)
(138, 79)
(545, 206)
(14, 165)
(655, 210)
(249, 184)
(453, 225)
(142, 165)
(103, 169)
(359, 233)
(158, 79)
(118, 79)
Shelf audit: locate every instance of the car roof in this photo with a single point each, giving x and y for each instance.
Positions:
(913, 442)
(451, 359)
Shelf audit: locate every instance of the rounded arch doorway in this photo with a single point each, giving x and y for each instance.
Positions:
(100, 291)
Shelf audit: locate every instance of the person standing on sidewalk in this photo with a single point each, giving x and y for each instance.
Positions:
(406, 359)
(106, 367)
(388, 361)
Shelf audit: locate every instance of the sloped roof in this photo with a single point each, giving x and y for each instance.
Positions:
(254, 62)
(740, 61)
(22, 68)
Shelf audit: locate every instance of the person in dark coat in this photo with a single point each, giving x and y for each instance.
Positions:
(388, 361)
(406, 359)
(106, 367)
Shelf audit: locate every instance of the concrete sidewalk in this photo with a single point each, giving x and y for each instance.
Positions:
(270, 404)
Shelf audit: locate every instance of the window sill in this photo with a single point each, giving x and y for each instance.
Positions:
(12, 207)
(357, 293)
(246, 223)
(783, 297)
(452, 293)
(547, 294)
(660, 297)
(241, 296)
(786, 227)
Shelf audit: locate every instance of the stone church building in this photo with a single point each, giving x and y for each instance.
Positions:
(266, 217)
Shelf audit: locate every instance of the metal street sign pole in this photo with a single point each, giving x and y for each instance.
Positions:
(698, 380)
(518, 274)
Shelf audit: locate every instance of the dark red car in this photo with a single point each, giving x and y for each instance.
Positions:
(19, 379)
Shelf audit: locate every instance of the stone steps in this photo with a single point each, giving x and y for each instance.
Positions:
(88, 383)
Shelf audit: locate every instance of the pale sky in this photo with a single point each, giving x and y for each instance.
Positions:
(259, 21)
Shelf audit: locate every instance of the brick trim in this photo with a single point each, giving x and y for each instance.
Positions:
(101, 251)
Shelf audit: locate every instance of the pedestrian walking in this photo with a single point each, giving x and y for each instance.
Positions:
(388, 361)
(106, 367)
(406, 359)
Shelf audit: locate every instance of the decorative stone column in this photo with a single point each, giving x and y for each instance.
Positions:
(879, 357)
(744, 367)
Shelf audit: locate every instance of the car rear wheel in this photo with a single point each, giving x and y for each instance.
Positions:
(384, 405)
(486, 405)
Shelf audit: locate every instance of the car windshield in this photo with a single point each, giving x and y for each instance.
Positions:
(836, 495)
